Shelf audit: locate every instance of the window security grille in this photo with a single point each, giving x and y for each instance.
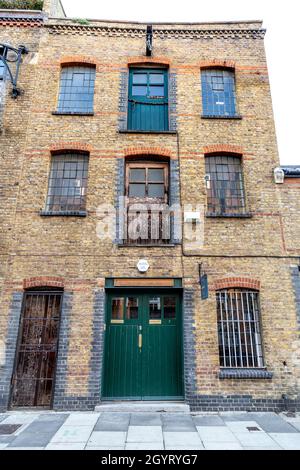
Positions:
(76, 94)
(67, 183)
(239, 329)
(225, 191)
(218, 92)
(147, 212)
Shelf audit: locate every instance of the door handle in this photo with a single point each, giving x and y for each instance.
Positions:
(140, 340)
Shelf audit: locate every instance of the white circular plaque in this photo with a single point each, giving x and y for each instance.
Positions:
(143, 265)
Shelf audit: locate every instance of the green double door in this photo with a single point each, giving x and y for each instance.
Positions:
(143, 346)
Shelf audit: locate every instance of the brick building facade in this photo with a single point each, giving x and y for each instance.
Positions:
(212, 320)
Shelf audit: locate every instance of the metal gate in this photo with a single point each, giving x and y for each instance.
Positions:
(32, 383)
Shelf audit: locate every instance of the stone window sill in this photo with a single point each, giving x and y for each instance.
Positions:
(72, 113)
(250, 373)
(131, 245)
(63, 213)
(246, 215)
(127, 131)
(213, 116)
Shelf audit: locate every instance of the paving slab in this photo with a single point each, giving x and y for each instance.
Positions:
(174, 438)
(25, 448)
(70, 446)
(52, 417)
(6, 439)
(104, 448)
(113, 422)
(144, 446)
(287, 441)
(71, 434)
(255, 439)
(145, 419)
(38, 433)
(20, 418)
(213, 420)
(177, 422)
(274, 447)
(107, 438)
(145, 434)
(216, 434)
(82, 419)
(184, 448)
(222, 446)
(242, 426)
(270, 422)
(247, 416)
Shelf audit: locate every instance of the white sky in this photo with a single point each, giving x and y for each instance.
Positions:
(281, 18)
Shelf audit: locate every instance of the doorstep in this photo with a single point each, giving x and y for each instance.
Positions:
(144, 407)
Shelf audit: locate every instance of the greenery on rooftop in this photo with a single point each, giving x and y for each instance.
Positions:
(22, 4)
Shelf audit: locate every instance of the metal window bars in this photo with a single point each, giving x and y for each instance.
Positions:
(76, 94)
(225, 192)
(239, 332)
(218, 92)
(67, 183)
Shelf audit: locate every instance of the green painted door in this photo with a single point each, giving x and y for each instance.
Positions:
(143, 346)
(148, 100)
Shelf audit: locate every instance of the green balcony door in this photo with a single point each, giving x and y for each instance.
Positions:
(148, 100)
(143, 347)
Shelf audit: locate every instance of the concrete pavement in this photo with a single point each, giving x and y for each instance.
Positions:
(148, 431)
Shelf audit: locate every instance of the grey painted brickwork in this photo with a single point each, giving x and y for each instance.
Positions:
(172, 101)
(62, 401)
(296, 286)
(62, 353)
(6, 370)
(189, 344)
(123, 100)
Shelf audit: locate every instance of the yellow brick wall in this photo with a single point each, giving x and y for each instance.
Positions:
(32, 245)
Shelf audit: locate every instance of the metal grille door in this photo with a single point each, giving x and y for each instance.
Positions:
(32, 383)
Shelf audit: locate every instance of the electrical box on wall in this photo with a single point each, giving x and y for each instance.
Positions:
(192, 217)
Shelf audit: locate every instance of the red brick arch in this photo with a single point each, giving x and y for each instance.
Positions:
(70, 146)
(43, 281)
(230, 282)
(226, 64)
(223, 148)
(141, 60)
(158, 151)
(77, 60)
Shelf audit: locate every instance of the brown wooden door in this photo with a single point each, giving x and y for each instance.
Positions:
(32, 383)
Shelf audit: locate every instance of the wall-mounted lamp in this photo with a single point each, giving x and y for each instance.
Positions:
(278, 175)
(10, 55)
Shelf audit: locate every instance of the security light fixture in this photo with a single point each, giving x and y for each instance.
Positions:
(278, 175)
(10, 55)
